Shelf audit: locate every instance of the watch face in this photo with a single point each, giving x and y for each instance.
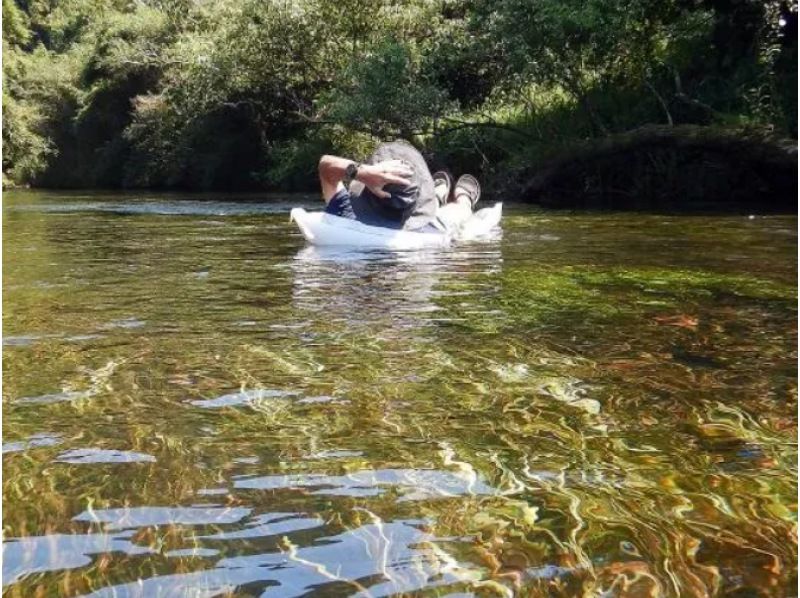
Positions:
(351, 171)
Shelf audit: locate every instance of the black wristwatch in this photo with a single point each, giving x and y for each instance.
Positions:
(350, 173)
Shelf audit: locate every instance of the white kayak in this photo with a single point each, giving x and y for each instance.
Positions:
(321, 228)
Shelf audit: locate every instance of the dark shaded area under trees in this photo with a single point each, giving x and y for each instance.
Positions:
(652, 104)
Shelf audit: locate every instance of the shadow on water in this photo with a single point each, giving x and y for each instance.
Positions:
(196, 404)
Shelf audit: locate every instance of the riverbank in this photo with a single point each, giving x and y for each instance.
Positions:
(682, 168)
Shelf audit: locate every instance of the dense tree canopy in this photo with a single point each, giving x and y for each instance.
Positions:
(247, 94)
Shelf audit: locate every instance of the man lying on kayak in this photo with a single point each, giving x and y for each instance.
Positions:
(395, 189)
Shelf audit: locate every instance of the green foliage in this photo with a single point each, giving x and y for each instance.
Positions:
(386, 94)
(15, 24)
(38, 96)
(26, 148)
(172, 93)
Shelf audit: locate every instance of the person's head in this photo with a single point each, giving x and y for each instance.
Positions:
(402, 196)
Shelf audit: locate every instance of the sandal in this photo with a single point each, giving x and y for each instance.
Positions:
(468, 185)
(442, 184)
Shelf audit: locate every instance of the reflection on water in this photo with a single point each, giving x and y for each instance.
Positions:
(359, 288)
(241, 398)
(57, 552)
(379, 559)
(90, 455)
(40, 439)
(144, 516)
(195, 404)
(414, 484)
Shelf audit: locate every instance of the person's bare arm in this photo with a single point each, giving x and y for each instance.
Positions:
(333, 168)
(331, 172)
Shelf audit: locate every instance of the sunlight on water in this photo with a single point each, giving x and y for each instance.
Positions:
(197, 404)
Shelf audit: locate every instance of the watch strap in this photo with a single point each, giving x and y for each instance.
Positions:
(351, 173)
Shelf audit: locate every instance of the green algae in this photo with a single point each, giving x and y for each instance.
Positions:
(685, 284)
(545, 295)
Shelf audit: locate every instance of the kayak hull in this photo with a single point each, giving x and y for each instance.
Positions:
(323, 229)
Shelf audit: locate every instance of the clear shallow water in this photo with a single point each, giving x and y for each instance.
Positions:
(196, 404)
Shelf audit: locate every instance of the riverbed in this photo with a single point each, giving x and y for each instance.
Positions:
(196, 403)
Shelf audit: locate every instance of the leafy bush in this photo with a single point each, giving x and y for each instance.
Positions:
(386, 95)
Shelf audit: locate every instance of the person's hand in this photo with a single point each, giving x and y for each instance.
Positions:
(388, 172)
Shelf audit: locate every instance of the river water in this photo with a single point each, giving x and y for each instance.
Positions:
(197, 404)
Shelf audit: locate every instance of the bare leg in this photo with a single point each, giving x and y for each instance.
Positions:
(442, 189)
(456, 213)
